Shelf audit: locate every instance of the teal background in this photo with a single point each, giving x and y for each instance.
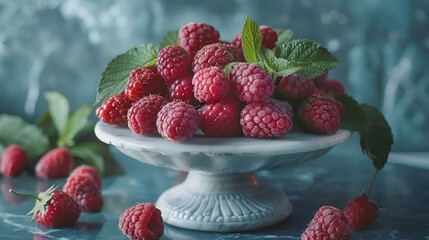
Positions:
(383, 47)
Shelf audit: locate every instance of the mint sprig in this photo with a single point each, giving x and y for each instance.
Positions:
(251, 41)
(114, 77)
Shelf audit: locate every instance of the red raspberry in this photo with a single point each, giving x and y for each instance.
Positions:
(220, 119)
(142, 115)
(333, 87)
(295, 87)
(56, 163)
(194, 36)
(216, 54)
(210, 84)
(282, 106)
(174, 63)
(319, 115)
(320, 79)
(84, 189)
(53, 208)
(13, 160)
(114, 110)
(262, 120)
(144, 81)
(90, 170)
(177, 121)
(269, 38)
(328, 223)
(183, 90)
(361, 211)
(142, 221)
(251, 83)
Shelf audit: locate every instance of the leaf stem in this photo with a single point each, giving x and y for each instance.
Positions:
(371, 183)
(24, 194)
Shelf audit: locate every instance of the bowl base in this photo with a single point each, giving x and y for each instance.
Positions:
(222, 202)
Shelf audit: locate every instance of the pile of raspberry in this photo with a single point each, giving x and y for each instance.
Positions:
(189, 90)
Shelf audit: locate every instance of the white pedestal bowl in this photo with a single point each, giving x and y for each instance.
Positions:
(221, 192)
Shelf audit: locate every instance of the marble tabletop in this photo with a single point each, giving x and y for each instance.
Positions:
(332, 179)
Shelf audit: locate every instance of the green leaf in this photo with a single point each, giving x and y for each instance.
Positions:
(283, 35)
(115, 76)
(77, 121)
(90, 153)
(228, 68)
(14, 129)
(169, 39)
(355, 117)
(309, 53)
(58, 109)
(279, 67)
(376, 137)
(251, 41)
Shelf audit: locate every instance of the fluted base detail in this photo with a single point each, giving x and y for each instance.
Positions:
(223, 203)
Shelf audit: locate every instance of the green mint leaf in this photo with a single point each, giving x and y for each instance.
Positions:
(376, 137)
(279, 67)
(58, 107)
(251, 38)
(90, 153)
(77, 121)
(306, 52)
(14, 129)
(44, 123)
(170, 38)
(283, 35)
(355, 117)
(115, 76)
(228, 68)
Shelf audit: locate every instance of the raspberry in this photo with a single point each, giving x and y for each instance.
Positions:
(295, 87)
(144, 81)
(328, 223)
(215, 54)
(177, 121)
(282, 106)
(173, 63)
(320, 79)
(194, 36)
(56, 163)
(361, 211)
(220, 119)
(142, 221)
(251, 83)
(332, 87)
(114, 110)
(210, 84)
(262, 120)
(319, 115)
(183, 90)
(142, 115)
(13, 160)
(84, 189)
(90, 170)
(269, 38)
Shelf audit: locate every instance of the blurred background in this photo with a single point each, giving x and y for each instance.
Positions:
(64, 45)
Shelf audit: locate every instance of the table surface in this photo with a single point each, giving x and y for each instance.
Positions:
(332, 179)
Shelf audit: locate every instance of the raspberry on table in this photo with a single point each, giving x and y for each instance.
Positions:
(177, 121)
(142, 221)
(84, 189)
(295, 86)
(56, 163)
(282, 106)
(194, 36)
(173, 62)
(87, 169)
(318, 114)
(144, 81)
(210, 84)
(216, 54)
(269, 38)
(220, 119)
(142, 115)
(13, 160)
(262, 120)
(251, 83)
(361, 211)
(114, 110)
(328, 223)
(183, 90)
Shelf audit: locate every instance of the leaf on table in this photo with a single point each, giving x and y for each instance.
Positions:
(114, 77)
(14, 129)
(170, 38)
(89, 153)
(58, 107)
(77, 121)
